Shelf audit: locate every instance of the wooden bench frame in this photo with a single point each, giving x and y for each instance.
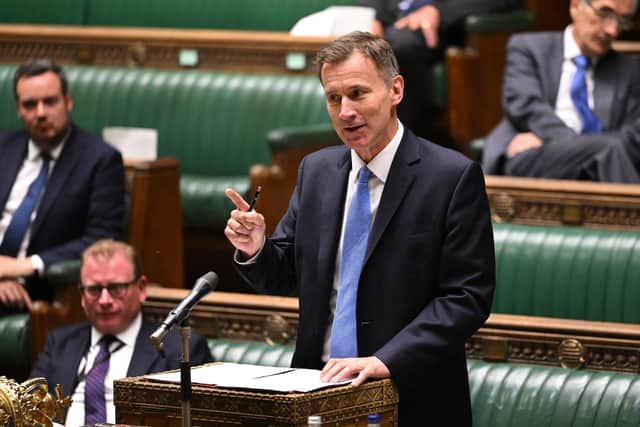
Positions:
(536, 201)
(519, 339)
(229, 50)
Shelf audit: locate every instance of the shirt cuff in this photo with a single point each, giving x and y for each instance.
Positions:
(238, 258)
(37, 264)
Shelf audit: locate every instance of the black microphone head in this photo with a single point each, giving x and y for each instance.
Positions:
(208, 282)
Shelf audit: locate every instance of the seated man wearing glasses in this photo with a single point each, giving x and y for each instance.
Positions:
(85, 358)
(571, 104)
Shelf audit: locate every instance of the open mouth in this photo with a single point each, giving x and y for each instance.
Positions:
(353, 128)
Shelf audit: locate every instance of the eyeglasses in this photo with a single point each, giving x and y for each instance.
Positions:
(609, 16)
(116, 290)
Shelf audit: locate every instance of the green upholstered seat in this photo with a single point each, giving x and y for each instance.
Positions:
(254, 353)
(507, 395)
(263, 15)
(214, 123)
(55, 12)
(511, 395)
(568, 272)
(14, 345)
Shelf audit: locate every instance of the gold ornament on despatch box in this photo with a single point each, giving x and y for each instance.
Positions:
(30, 404)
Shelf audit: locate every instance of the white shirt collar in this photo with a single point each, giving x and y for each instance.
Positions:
(128, 336)
(381, 163)
(34, 152)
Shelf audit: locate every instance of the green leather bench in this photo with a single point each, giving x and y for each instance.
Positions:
(567, 272)
(505, 395)
(265, 15)
(214, 123)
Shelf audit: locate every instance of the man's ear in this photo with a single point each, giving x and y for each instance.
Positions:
(397, 89)
(142, 284)
(68, 102)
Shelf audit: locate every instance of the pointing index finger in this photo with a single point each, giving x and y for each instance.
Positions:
(237, 199)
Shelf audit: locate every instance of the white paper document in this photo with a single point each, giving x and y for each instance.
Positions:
(133, 143)
(335, 21)
(237, 375)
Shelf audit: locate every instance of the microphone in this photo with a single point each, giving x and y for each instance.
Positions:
(203, 286)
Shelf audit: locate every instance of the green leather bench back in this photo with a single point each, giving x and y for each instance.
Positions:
(58, 12)
(568, 272)
(14, 345)
(511, 395)
(254, 353)
(214, 123)
(507, 395)
(261, 15)
(256, 15)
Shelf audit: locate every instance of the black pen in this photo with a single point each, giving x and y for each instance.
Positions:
(256, 196)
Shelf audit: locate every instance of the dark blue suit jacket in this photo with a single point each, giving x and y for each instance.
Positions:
(82, 202)
(65, 348)
(428, 276)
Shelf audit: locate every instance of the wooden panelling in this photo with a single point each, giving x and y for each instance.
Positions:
(518, 339)
(251, 51)
(562, 202)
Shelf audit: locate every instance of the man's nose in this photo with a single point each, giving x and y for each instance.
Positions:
(105, 296)
(40, 109)
(612, 28)
(346, 109)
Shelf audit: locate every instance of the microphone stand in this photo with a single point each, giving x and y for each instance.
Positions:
(185, 374)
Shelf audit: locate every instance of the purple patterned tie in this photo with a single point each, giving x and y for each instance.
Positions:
(95, 408)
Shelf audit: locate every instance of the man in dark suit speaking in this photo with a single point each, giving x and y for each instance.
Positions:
(571, 104)
(85, 358)
(61, 188)
(388, 239)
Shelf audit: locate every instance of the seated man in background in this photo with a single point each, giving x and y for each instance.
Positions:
(60, 188)
(85, 358)
(419, 31)
(571, 104)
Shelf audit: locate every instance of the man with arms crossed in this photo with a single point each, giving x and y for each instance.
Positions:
(388, 239)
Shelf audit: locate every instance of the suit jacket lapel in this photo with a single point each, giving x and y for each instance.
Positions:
(12, 156)
(604, 89)
(144, 354)
(399, 180)
(554, 70)
(65, 163)
(72, 354)
(333, 193)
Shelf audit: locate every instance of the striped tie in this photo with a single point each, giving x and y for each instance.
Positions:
(95, 407)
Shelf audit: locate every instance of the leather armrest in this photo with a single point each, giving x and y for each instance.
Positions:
(63, 273)
(476, 147)
(302, 136)
(506, 21)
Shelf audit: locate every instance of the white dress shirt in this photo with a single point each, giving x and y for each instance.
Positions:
(379, 167)
(26, 175)
(121, 353)
(565, 108)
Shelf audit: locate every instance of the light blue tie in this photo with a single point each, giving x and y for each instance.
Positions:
(344, 342)
(22, 216)
(590, 122)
